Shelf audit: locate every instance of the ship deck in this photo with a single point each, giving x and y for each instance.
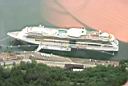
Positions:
(94, 38)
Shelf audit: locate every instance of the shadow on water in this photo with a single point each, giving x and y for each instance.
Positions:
(89, 54)
(23, 45)
(17, 45)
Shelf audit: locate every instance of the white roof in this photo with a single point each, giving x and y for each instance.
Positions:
(104, 34)
(75, 32)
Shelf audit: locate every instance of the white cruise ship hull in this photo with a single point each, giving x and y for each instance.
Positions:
(63, 44)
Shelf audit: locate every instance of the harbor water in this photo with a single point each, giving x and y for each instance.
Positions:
(16, 14)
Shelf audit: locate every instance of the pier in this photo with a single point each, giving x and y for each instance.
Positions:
(50, 59)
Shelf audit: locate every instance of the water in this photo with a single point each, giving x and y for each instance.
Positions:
(16, 14)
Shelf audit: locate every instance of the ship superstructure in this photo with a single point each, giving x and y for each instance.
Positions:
(66, 39)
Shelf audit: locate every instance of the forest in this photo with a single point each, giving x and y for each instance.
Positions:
(34, 74)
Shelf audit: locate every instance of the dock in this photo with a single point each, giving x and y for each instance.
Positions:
(50, 59)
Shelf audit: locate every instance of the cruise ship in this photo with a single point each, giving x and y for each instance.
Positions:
(66, 39)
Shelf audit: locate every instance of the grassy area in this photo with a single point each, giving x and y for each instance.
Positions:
(33, 74)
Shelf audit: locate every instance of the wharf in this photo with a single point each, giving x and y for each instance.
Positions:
(50, 59)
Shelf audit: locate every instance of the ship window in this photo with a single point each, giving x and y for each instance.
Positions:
(94, 45)
(72, 42)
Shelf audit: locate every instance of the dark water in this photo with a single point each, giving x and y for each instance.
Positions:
(16, 14)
